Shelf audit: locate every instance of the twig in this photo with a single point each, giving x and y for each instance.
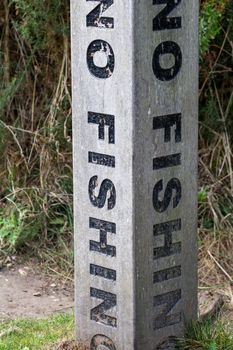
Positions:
(221, 268)
(65, 308)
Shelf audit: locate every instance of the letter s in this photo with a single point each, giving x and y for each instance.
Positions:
(106, 186)
(162, 205)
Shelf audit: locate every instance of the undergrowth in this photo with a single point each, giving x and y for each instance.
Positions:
(215, 148)
(216, 118)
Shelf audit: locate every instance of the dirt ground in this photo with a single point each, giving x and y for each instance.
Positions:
(26, 292)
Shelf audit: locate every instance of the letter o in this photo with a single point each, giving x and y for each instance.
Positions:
(167, 47)
(100, 46)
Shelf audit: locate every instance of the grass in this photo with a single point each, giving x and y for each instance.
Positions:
(207, 335)
(36, 334)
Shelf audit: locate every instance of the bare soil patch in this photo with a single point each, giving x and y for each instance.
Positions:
(27, 292)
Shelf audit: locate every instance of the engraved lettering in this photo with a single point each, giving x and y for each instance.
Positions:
(162, 21)
(167, 274)
(167, 48)
(94, 18)
(167, 161)
(168, 301)
(101, 341)
(172, 193)
(98, 312)
(101, 159)
(169, 248)
(104, 228)
(103, 272)
(103, 120)
(166, 122)
(107, 187)
(103, 48)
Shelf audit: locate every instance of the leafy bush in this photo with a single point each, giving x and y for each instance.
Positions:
(41, 26)
(19, 225)
(212, 13)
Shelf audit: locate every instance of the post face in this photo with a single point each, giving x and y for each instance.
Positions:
(135, 84)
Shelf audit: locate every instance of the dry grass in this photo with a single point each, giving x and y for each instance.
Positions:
(216, 172)
(216, 264)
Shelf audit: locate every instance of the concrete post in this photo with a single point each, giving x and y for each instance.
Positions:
(135, 121)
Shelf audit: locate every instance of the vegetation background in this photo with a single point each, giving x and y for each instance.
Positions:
(36, 134)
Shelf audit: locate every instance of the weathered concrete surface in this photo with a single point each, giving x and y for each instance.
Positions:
(135, 83)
